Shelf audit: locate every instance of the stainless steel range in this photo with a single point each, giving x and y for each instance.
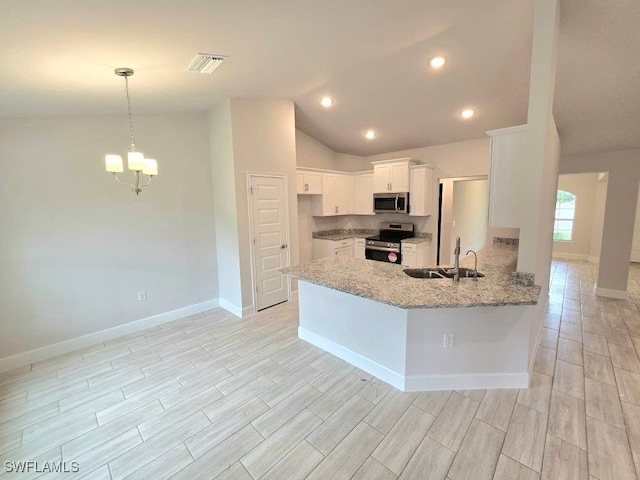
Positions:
(387, 246)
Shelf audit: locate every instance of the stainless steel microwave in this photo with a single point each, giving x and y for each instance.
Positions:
(391, 202)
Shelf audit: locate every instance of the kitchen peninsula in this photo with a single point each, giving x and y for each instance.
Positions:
(395, 327)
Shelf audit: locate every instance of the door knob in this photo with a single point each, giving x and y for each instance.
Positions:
(283, 246)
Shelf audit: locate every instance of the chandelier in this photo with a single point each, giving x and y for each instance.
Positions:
(135, 159)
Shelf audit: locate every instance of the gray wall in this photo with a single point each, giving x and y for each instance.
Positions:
(76, 247)
(619, 216)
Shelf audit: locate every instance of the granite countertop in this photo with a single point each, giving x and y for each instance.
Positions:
(342, 234)
(417, 239)
(387, 283)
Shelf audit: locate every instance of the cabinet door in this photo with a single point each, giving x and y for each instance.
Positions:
(341, 196)
(381, 178)
(325, 205)
(313, 181)
(363, 195)
(506, 151)
(409, 259)
(344, 251)
(359, 251)
(421, 189)
(300, 183)
(399, 177)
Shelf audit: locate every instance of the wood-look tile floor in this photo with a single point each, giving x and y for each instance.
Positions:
(213, 396)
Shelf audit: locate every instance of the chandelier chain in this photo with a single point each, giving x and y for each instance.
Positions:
(126, 90)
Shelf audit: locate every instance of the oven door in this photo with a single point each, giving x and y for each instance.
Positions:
(388, 255)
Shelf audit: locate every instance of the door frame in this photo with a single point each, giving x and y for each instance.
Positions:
(249, 176)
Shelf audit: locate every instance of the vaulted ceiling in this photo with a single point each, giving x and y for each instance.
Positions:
(371, 56)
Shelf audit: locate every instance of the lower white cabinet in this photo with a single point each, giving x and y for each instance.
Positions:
(416, 254)
(328, 248)
(359, 245)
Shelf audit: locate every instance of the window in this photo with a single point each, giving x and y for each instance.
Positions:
(565, 211)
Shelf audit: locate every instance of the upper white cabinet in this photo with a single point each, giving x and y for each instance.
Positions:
(363, 194)
(392, 176)
(308, 182)
(335, 198)
(508, 147)
(421, 190)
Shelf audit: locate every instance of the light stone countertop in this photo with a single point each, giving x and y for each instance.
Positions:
(387, 283)
(343, 236)
(416, 240)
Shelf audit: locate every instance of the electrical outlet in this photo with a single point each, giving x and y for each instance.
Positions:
(448, 340)
(142, 296)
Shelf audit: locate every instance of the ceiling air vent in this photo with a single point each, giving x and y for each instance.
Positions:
(205, 63)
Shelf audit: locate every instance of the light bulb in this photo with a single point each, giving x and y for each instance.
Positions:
(113, 163)
(135, 160)
(467, 113)
(437, 62)
(326, 102)
(370, 134)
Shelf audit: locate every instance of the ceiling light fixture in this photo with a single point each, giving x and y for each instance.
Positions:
(370, 134)
(467, 113)
(135, 159)
(326, 102)
(437, 62)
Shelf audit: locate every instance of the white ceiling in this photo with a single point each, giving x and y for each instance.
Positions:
(370, 55)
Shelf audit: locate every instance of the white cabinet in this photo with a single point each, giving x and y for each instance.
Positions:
(328, 248)
(392, 176)
(335, 198)
(416, 254)
(308, 182)
(363, 194)
(359, 245)
(508, 149)
(421, 190)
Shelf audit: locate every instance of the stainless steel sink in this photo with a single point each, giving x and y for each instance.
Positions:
(439, 273)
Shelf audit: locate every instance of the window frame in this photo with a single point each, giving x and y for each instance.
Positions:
(558, 217)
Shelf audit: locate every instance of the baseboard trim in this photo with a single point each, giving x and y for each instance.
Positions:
(417, 383)
(383, 373)
(570, 256)
(607, 292)
(66, 346)
(236, 310)
(471, 381)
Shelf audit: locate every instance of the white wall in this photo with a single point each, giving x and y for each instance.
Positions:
(264, 142)
(313, 154)
(223, 180)
(584, 187)
(470, 214)
(76, 247)
(598, 217)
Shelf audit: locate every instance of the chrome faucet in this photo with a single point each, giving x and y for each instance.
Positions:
(475, 265)
(456, 264)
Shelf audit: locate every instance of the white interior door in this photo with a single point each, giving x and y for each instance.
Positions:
(270, 239)
(635, 247)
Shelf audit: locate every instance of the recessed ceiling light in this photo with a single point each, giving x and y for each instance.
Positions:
(437, 62)
(326, 102)
(467, 113)
(370, 134)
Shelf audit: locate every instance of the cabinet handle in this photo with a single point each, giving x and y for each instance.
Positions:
(306, 187)
(336, 209)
